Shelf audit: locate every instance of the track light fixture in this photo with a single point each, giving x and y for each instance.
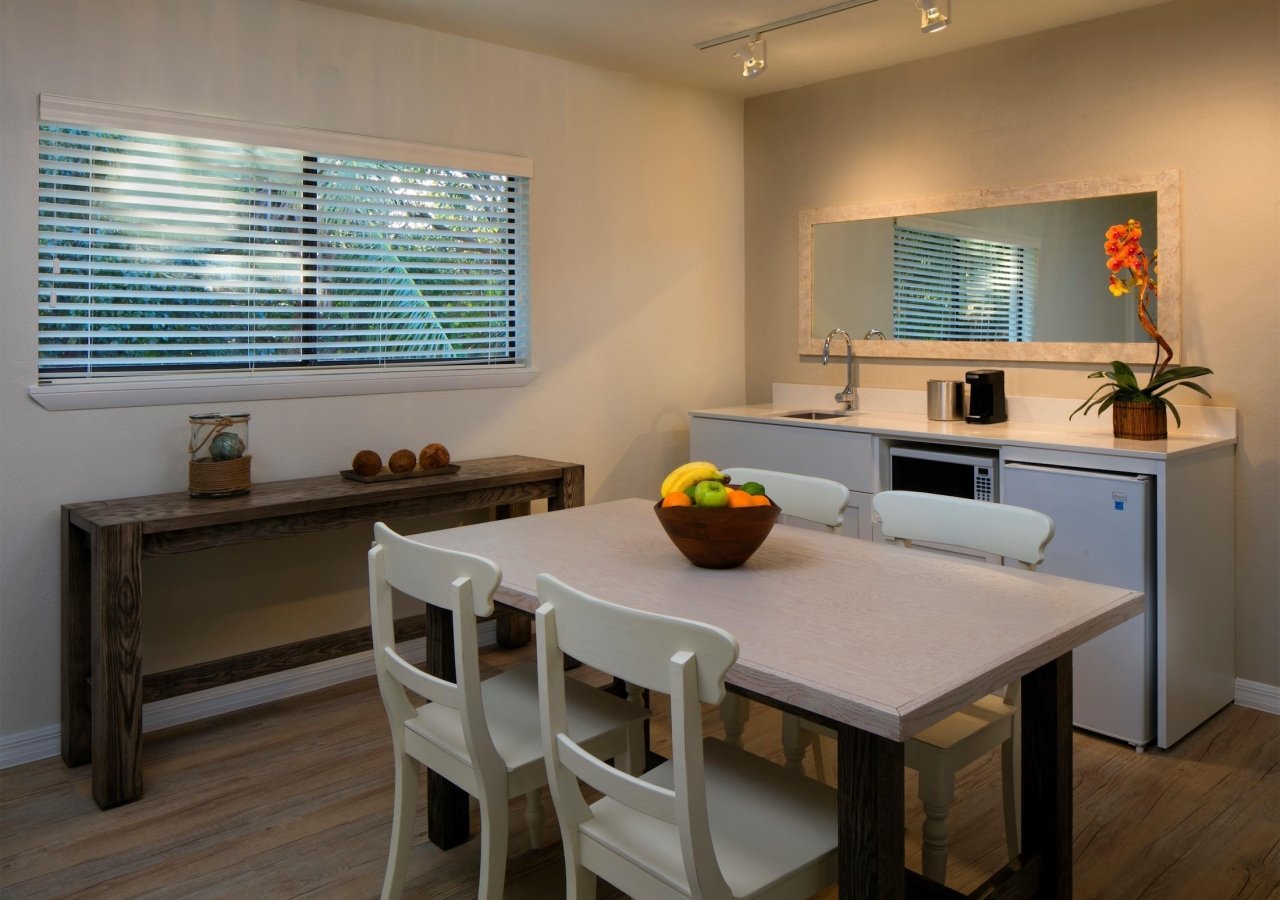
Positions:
(752, 54)
(935, 15)
(753, 51)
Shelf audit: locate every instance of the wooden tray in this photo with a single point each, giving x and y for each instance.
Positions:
(397, 476)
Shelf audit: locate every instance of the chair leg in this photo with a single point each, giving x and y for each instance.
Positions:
(404, 812)
(937, 790)
(493, 846)
(793, 741)
(1011, 783)
(819, 761)
(734, 713)
(534, 817)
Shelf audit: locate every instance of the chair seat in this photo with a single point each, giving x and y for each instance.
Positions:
(955, 729)
(962, 725)
(766, 823)
(510, 702)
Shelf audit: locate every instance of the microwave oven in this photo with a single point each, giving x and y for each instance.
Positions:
(960, 472)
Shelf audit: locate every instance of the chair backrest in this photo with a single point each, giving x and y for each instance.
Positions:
(679, 657)
(818, 500)
(461, 583)
(1010, 531)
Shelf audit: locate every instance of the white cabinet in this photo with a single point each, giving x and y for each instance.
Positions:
(841, 455)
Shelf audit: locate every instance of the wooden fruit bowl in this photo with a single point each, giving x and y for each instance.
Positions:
(720, 538)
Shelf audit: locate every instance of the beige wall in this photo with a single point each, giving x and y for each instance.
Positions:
(1191, 85)
(637, 224)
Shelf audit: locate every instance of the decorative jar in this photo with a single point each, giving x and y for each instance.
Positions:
(219, 450)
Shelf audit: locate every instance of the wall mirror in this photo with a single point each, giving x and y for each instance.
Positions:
(1011, 274)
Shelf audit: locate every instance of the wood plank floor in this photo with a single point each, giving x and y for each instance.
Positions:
(293, 799)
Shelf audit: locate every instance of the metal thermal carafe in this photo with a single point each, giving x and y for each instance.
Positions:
(986, 397)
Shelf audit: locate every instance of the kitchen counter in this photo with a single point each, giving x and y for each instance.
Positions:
(1037, 422)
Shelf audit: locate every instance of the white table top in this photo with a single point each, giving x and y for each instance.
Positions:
(886, 639)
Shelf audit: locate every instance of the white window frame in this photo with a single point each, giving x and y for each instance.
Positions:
(160, 389)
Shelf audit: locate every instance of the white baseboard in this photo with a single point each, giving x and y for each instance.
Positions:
(42, 743)
(1257, 695)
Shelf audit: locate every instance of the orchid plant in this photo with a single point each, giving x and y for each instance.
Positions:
(1132, 271)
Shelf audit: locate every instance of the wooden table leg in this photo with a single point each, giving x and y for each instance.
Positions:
(116, 660)
(869, 815)
(76, 645)
(448, 806)
(572, 489)
(1046, 774)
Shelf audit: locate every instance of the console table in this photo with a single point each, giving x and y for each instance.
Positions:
(104, 543)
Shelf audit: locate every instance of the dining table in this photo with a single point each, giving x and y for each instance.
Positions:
(874, 640)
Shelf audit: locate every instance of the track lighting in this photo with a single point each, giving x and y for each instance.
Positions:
(935, 15)
(752, 54)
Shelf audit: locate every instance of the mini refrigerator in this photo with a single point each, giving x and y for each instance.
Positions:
(1103, 532)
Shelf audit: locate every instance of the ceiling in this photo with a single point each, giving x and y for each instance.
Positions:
(656, 38)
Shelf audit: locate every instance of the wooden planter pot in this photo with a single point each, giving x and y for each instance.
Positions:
(1139, 421)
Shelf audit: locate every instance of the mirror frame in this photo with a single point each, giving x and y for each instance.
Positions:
(1165, 183)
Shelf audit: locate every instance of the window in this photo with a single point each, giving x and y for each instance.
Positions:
(955, 283)
(177, 254)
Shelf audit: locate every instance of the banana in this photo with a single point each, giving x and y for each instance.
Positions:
(690, 473)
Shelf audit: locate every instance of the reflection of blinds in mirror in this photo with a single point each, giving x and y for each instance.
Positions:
(957, 287)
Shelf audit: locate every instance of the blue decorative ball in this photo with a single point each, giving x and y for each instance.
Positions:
(226, 446)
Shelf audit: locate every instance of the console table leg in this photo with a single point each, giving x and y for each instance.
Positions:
(869, 815)
(448, 806)
(116, 627)
(76, 644)
(1046, 774)
(572, 489)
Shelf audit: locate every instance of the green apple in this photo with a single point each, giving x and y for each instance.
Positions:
(710, 493)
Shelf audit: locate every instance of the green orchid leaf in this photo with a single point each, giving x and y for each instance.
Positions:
(1188, 384)
(1124, 375)
(1091, 401)
(1177, 418)
(1178, 373)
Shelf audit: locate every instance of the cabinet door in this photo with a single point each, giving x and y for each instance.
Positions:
(857, 518)
(841, 455)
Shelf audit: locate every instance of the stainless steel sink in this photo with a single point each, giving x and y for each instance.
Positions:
(815, 415)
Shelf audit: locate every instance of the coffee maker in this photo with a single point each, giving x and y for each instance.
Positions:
(986, 397)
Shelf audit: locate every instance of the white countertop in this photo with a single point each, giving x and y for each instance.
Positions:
(1033, 422)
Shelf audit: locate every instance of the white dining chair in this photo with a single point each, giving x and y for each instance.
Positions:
(807, 498)
(714, 822)
(943, 749)
(482, 736)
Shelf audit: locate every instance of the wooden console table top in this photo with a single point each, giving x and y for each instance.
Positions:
(104, 543)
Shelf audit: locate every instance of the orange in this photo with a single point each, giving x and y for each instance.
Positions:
(677, 498)
(760, 500)
(739, 499)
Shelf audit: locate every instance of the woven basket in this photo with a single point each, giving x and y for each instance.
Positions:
(1139, 421)
(218, 479)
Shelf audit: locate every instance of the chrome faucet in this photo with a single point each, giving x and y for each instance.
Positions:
(846, 396)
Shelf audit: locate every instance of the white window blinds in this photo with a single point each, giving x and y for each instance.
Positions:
(958, 287)
(179, 253)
